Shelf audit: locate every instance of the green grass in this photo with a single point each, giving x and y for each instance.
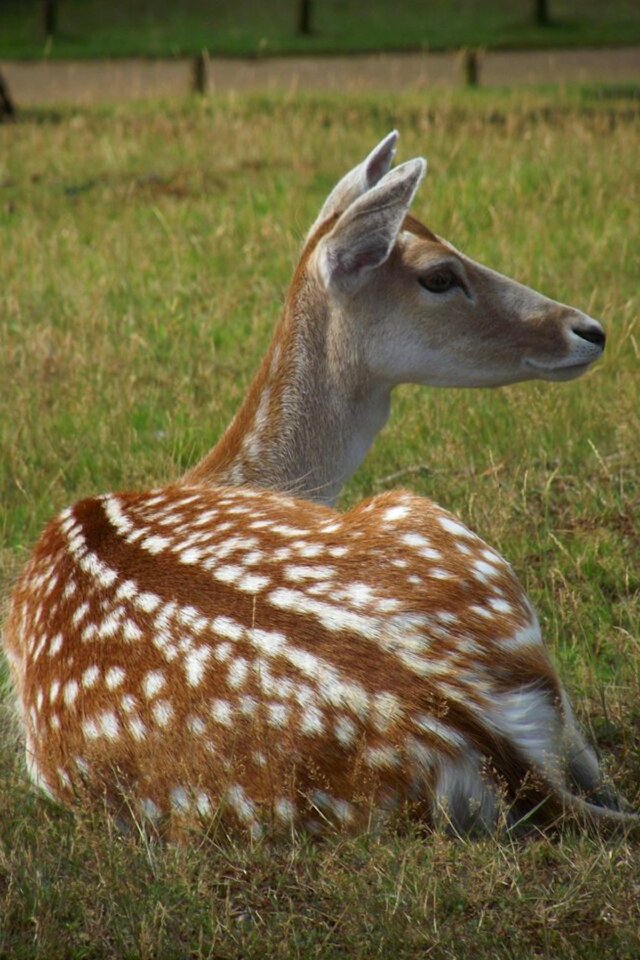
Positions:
(145, 251)
(98, 28)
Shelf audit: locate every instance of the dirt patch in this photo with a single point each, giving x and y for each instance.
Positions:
(99, 81)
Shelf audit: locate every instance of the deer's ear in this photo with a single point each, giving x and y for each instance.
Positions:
(360, 179)
(365, 234)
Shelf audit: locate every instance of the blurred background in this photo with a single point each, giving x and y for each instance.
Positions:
(89, 28)
(46, 45)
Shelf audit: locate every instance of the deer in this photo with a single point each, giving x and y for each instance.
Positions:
(231, 648)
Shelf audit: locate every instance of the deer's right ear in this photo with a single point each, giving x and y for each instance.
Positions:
(360, 179)
(365, 234)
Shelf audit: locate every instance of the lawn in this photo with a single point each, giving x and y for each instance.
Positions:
(145, 251)
(99, 28)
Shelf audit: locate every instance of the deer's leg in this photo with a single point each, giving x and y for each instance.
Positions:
(466, 799)
(583, 768)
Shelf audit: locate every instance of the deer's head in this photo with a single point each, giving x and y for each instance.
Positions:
(422, 312)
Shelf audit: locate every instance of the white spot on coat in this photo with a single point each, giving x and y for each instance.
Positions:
(153, 682)
(162, 712)
(195, 663)
(114, 677)
(90, 677)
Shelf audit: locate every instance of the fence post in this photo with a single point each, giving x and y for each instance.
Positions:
(7, 106)
(50, 17)
(542, 17)
(304, 18)
(200, 72)
(471, 68)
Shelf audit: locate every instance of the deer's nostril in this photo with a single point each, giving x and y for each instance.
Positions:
(594, 334)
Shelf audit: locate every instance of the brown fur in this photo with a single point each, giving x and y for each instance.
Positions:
(179, 599)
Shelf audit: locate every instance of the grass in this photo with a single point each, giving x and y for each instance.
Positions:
(145, 251)
(99, 28)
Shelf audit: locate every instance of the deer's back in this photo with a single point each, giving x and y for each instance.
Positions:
(196, 645)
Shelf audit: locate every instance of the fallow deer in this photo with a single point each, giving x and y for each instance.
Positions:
(214, 648)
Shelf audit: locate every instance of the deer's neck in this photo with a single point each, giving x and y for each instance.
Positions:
(310, 414)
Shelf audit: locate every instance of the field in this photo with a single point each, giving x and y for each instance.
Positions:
(114, 28)
(144, 252)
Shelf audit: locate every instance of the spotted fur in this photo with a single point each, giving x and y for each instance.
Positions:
(238, 651)
(213, 649)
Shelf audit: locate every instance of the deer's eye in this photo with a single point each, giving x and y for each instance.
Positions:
(439, 281)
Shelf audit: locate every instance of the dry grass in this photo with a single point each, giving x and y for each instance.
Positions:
(144, 254)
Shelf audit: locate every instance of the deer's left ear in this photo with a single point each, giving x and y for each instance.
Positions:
(365, 234)
(360, 179)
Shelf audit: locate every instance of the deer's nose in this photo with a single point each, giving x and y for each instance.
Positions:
(592, 332)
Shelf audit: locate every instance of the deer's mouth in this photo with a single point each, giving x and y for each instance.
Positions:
(569, 371)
